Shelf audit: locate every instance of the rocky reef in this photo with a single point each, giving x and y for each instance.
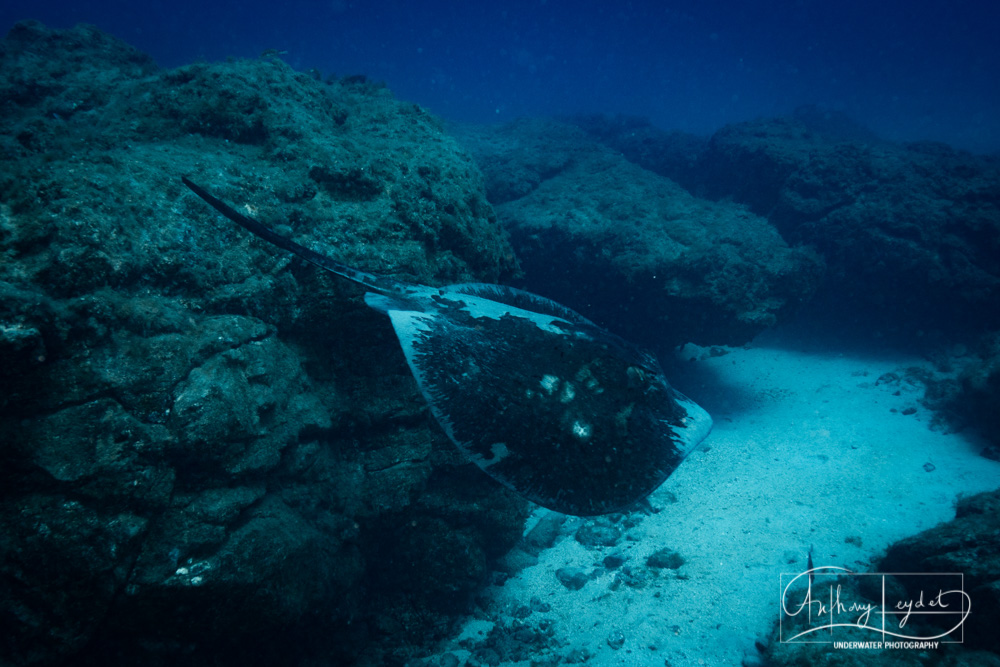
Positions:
(212, 453)
(969, 544)
(909, 233)
(968, 393)
(215, 454)
(632, 249)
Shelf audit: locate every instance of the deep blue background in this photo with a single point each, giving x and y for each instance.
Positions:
(909, 69)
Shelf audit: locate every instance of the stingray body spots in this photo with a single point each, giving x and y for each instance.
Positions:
(541, 399)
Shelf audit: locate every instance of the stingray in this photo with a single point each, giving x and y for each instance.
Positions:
(544, 401)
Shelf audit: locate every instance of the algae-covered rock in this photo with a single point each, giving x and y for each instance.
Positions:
(633, 250)
(969, 544)
(211, 453)
(911, 232)
(65, 563)
(970, 396)
(671, 153)
(665, 558)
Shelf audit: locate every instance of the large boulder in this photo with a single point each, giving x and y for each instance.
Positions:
(911, 232)
(210, 452)
(671, 153)
(969, 395)
(970, 545)
(631, 249)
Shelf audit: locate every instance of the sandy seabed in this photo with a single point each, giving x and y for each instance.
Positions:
(809, 449)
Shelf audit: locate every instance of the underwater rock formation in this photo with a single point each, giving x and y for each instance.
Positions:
(631, 249)
(970, 544)
(971, 398)
(671, 153)
(211, 453)
(910, 232)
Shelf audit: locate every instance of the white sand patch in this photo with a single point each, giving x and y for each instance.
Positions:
(806, 451)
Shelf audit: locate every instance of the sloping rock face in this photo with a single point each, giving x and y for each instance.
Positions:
(680, 156)
(969, 544)
(631, 249)
(971, 397)
(211, 454)
(671, 153)
(911, 233)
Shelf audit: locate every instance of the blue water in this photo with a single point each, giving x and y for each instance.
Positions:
(909, 69)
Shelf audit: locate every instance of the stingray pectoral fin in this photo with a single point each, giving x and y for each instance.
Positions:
(386, 303)
(694, 427)
(520, 299)
(548, 412)
(413, 329)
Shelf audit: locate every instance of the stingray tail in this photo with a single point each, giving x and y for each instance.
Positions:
(370, 280)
